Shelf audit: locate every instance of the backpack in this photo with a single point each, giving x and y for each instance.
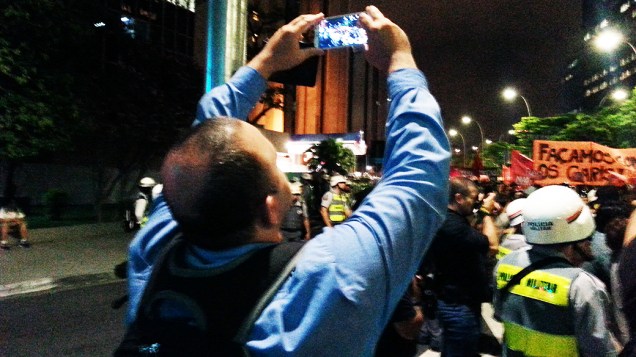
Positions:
(189, 312)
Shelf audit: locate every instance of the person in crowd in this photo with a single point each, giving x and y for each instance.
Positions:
(347, 280)
(295, 226)
(13, 220)
(548, 305)
(626, 268)
(459, 255)
(399, 338)
(514, 239)
(614, 236)
(600, 265)
(335, 202)
(144, 199)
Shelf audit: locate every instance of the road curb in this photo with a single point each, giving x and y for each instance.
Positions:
(51, 285)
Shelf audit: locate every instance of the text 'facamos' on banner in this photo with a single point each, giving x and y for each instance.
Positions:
(581, 163)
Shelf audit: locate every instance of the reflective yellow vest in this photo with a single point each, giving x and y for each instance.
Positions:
(337, 208)
(536, 316)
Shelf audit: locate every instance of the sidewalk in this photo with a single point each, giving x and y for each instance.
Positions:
(62, 254)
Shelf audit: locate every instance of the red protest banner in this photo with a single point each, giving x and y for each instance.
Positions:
(581, 163)
(522, 170)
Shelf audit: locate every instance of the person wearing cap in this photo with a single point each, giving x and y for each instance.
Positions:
(334, 206)
(295, 226)
(549, 306)
(514, 239)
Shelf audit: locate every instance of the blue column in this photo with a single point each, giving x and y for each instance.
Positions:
(226, 40)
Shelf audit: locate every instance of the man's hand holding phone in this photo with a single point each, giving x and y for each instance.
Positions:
(283, 50)
(389, 48)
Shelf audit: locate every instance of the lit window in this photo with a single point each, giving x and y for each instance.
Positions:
(603, 86)
(587, 37)
(588, 93)
(603, 24)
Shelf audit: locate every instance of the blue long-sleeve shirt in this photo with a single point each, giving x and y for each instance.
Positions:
(348, 278)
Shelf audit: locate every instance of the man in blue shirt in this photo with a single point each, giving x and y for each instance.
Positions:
(347, 280)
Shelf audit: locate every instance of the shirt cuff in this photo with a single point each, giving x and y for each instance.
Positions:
(250, 81)
(405, 78)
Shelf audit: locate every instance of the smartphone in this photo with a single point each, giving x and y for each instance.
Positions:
(340, 31)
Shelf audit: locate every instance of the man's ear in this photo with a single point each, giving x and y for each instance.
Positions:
(458, 198)
(272, 211)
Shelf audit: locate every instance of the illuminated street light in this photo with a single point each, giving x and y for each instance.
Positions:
(475, 148)
(488, 141)
(511, 94)
(617, 95)
(453, 133)
(610, 39)
(467, 120)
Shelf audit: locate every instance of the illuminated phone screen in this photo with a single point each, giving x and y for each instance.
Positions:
(340, 31)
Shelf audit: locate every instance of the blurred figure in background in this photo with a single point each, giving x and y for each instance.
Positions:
(13, 220)
(295, 226)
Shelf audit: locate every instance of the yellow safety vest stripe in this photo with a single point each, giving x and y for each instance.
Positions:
(538, 344)
(538, 285)
(502, 252)
(337, 208)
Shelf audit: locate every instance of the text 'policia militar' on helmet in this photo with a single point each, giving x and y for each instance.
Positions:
(556, 214)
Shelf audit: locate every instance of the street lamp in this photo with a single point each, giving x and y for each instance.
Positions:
(467, 120)
(453, 133)
(617, 95)
(511, 94)
(609, 40)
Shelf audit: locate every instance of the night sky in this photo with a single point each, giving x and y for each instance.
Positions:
(471, 50)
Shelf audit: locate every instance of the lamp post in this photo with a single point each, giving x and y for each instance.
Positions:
(510, 94)
(453, 133)
(617, 95)
(608, 40)
(467, 120)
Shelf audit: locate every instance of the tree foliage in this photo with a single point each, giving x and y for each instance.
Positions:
(65, 84)
(613, 126)
(331, 157)
(37, 110)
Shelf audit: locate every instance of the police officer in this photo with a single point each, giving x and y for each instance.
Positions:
(557, 309)
(147, 191)
(514, 238)
(295, 226)
(335, 202)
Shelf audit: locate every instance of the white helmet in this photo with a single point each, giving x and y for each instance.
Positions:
(336, 180)
(556, 214)
(513, 211)
(147, 182)
(295, 188)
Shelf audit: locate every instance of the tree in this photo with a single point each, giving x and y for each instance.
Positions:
(331, 157)
(37, 110)
(612, 126)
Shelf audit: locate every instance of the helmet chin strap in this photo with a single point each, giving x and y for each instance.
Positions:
(585, 255)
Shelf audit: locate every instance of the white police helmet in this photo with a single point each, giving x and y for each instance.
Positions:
(295, 188)
(556, 214)
(513, 211)
(336, 180)
(147, 182)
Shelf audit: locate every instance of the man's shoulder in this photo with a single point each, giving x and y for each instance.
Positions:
(327, 197)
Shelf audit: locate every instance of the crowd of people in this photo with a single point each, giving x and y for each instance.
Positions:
(211, 259)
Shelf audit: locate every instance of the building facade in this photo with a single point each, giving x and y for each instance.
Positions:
(590, 78)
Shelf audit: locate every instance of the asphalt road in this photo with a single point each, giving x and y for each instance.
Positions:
(63, 322)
